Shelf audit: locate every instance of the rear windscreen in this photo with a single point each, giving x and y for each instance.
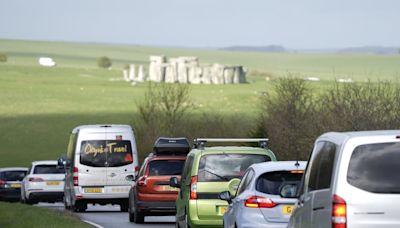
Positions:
(271, 182)
(374, 168)
(12, 175)
(166, 167)
(224, 167)
(106, 153)
(47, 169)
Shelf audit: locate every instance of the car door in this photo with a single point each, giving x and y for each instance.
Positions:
(120, 160)
(313, 208)
(183, 196)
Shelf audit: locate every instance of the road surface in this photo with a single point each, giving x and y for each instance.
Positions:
(110, 217)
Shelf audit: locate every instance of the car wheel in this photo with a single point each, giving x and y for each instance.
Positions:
(79, 207)
(66, 206)
(139, 217)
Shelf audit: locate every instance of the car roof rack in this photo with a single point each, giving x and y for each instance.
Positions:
(171, 146)
(200, 143)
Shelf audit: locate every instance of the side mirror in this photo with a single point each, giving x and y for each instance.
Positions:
(288, 190)
(130, 178)
(173, 182)
(226, 195)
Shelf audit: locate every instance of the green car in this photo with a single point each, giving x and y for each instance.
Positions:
(209, 171)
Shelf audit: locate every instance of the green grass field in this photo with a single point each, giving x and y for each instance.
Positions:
(39, 106)
(18, 215)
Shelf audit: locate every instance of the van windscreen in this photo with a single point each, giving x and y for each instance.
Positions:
(374, 168)
(224, 167)
(106, 153)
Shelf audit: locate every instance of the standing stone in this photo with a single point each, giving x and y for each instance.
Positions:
(132, 76)
(228, 75)
(141, 76)
(125, 74)
(156, 68)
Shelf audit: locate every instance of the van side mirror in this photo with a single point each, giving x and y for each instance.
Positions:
(226, 195)
(289, 190)
(173, 182)
(130, 178)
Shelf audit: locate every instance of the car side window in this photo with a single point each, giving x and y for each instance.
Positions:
(321, 167)
(186, 169)
(245, 182)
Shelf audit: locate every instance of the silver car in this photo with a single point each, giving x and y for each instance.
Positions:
(352, 180)
(264, 197)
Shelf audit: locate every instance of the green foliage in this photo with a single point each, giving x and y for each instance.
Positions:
(3, 57)
(296, 115)
(104, 62)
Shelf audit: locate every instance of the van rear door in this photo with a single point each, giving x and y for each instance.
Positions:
(121, 158)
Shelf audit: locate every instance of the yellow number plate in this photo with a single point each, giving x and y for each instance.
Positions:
(15, 185)
(93, 190)
(52, 183)
(222, 210)
(168, 188)
(287, 210)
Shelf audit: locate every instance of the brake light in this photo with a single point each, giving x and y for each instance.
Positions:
(35, 179)
(75, 176)
(339, 212)
(3, 182)
(142, 181)
(259, 202)
(193, 187)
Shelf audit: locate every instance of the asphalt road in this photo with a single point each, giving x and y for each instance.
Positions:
(110, 216)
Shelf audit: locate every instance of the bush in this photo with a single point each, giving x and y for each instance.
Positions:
(287, 118)
(3, 57)
(104, 62)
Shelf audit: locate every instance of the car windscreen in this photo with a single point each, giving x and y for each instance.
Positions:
(166, 167)
(48, 169)
(374, 168)
(271, 182)
(12, 175)
(224, 167)
(106, 153)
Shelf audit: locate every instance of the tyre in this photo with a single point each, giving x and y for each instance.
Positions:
(66, 206)
(139, 217)
(79, 207)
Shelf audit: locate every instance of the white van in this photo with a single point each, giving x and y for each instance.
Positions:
(101, 164)
(351, 181)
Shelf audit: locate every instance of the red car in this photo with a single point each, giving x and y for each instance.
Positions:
(152, 195)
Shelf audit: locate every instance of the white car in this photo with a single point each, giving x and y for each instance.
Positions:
(43, 183)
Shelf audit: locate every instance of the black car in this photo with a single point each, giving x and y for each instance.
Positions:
(10, 183)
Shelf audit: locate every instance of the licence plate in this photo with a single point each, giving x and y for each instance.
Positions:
(168, 188)
(93, 190)
(15, 185)
(52, 182)
(287, 210)
(222, 210)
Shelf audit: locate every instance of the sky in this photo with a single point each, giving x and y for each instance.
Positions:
(302, 24)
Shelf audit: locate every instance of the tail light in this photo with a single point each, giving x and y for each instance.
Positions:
(338, 212)
(193, 187)
(35, 179)
(259, 202)
(75, 176)
(142, 181)
(3, 182)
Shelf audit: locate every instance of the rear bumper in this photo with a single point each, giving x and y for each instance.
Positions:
(157, 207)
(10, 194)
(46, 196)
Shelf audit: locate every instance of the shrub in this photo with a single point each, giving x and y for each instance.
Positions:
(3, 57)
(287, 118)
(104, 62)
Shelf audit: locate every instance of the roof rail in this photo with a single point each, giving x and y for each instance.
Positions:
(201, 142)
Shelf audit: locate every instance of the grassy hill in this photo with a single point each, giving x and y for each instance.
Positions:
(39, 106)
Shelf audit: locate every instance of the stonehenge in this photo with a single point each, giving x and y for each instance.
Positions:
(185, 69)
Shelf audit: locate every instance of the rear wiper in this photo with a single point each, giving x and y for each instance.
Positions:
(220, 177)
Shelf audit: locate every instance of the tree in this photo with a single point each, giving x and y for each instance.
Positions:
(3, 57)
(104, 62)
